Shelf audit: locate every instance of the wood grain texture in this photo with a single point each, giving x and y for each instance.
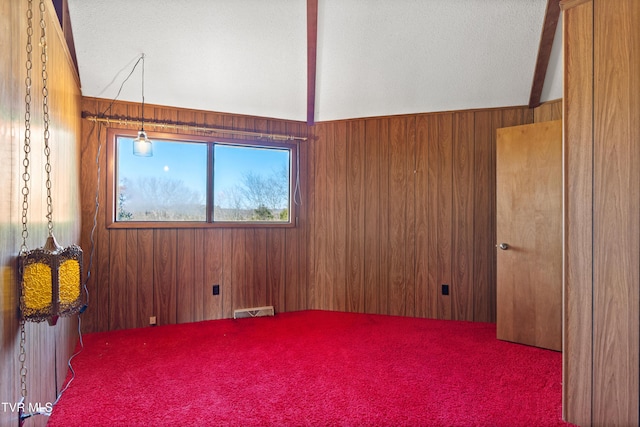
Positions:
(120, 298)
(384, 177)
(463, 216)
(372, 247)
(318, 269)
(164, 275)
(174, 282)
(484, 241)
(397, 216)
(283, 245)
(548, 111)
(217, 253)
(551, 17)
(444, 200)
(338, 219)
(297, 281)
(410, 169)
(48, 348)
(277, 275)
(199, 284)
(355, 228)
(236, 267)
(145, 258)
(431, 195)
(578, 203)
(423, 296)
(616, 213)
(529, 220)
(185, 276)
(602, 106)
(388, 214)
(132, 275)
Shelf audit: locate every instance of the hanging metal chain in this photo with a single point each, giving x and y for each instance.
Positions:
(22, 356)
(27, 129)
(45, 114)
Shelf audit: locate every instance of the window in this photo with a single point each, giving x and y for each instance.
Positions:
(193, 181)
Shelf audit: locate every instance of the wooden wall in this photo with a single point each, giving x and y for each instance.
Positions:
(48, 348)
(616, 213)
(169, 273)
(402, 205)
(602, 208)
(391, 209)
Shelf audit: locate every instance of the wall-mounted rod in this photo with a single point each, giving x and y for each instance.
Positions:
(191, 127)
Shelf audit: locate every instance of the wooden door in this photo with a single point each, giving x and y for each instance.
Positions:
(529, 234)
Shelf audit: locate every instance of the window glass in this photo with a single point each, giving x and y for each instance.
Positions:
(201, 182)
(171, 185)
(251, 183)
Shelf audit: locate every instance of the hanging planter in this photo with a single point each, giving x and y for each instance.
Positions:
(51, 276)
(51, 282)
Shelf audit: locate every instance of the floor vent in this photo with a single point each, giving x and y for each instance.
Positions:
(253, 312)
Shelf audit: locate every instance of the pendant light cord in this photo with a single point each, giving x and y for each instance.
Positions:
(142, 58)
(92, 236)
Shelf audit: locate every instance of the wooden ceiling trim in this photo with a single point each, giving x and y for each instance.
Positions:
(551, 16)
(312, 43)
(62, 10)
(568, 4)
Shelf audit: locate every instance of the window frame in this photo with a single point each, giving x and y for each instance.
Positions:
(110, 211)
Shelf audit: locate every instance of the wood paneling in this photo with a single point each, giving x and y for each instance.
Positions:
(169, 273)
(185, 277)
(399, 213)
(372, 218)
(548, 111)
(217, 253)
(355, 146)
(424, 294)
(616, 212)
(390, 209)
(578, 200)
(421, 182)
(483, 218)
(144, 286)
(165, 250)
(337, 171)
(463, 215)
(48, 348)
(602, 280)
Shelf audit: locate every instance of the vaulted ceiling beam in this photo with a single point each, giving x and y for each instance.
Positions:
(312, 42)
(551, 16)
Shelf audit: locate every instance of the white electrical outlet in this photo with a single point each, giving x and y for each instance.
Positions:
(152, 320)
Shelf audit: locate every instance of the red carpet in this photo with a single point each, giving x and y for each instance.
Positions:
(313, 368)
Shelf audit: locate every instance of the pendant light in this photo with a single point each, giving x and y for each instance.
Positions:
(142, 145)
(50, 276)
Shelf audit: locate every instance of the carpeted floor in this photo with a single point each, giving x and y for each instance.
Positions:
(315, 368)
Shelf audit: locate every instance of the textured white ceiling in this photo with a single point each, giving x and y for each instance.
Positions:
(375, 57)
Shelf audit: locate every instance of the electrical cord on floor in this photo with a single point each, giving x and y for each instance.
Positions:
(84, 307)
(73, 372)
(47, 409)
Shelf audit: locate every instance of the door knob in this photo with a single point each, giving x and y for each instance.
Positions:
(503, 246)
